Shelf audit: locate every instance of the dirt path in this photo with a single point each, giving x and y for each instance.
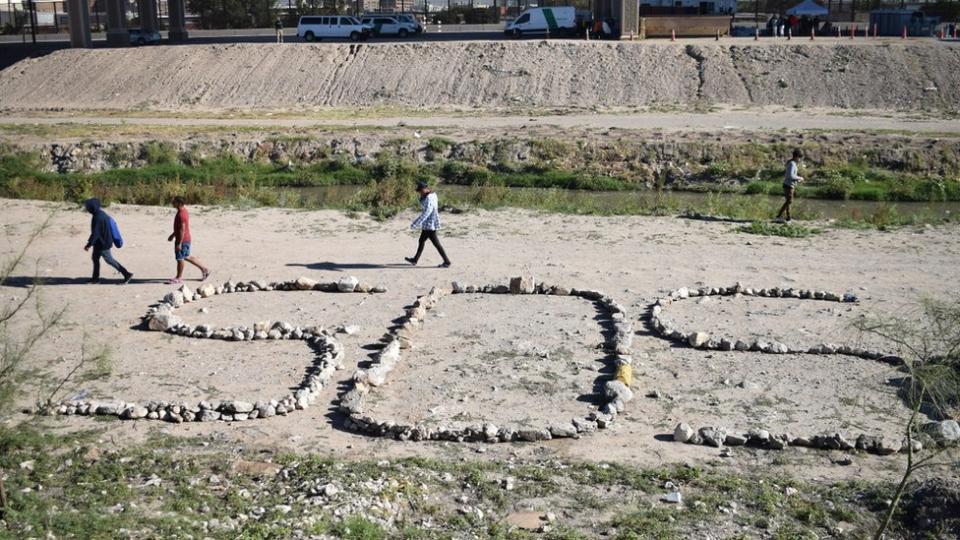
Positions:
(634, 259)
(762, 119)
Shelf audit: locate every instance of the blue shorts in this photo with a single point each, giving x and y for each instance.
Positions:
(184, 251)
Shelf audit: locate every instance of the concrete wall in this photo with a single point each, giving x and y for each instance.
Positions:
(685, 26)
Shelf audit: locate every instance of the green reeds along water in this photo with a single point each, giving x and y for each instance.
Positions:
(853, 197)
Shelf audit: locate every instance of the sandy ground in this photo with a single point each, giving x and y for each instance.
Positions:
(473, 344)
(912, 75)
(518, 361)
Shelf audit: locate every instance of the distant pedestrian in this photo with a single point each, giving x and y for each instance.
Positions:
(429, 223)
(781, 22)
(181, 247)
(278, 26)
(790, 181)
(104, 234)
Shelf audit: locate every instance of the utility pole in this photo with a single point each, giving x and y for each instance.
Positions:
(32, 6)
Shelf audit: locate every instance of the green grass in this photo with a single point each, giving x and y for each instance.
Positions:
(70, 492)
(385, 185)
(861, 183)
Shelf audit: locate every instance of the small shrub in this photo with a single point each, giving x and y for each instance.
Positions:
(386, 198)
(717, 170)
(359, 528)
(786, 230)
(439, 145)
(117, 155)
(759, 187)
(158, 153)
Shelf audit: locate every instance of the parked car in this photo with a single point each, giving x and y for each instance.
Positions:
(139, 36)
(389, 26)
(315, 27)
(402, 17)
(558, 21)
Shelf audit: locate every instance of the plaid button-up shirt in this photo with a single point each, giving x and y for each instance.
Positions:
(429, 219)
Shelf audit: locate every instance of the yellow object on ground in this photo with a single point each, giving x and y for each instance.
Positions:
(625, 374)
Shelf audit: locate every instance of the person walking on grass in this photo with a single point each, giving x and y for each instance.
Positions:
(104, 234)
(181, 246)
(790, 181)
(429, 223)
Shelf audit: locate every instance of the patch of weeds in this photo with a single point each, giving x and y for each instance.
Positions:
(158, 153)
(100, 368)
(661, 522)
(545, 149)
(439, 145)
(786, 230)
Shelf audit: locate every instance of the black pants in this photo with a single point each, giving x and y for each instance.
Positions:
(107, 258)
(788, 192)
(432, 236)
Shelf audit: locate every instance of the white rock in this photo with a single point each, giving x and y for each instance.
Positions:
(207, 290)
(174, 298)
(186, 292)
(347, 284)
(944, 433)
(161, 322)
(698, 339)
(683, 432)
(305, 283)
(673, 497)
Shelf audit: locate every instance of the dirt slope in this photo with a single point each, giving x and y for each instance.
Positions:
(890, 75)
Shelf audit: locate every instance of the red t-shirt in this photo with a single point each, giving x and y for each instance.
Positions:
(181, 225)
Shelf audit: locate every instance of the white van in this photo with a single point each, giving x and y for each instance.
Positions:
(316, 27)
(559, 21)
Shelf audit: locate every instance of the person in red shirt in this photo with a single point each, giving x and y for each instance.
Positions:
(181, 239)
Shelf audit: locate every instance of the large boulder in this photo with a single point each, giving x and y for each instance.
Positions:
(943, 433)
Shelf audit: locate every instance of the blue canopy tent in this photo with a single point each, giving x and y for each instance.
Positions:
(808, 8)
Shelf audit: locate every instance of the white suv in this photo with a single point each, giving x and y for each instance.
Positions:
(316, 27)
(389, 26)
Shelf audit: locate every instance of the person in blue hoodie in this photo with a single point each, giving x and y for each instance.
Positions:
(101, 240)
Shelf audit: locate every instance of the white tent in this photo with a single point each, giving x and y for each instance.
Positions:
(808, 8)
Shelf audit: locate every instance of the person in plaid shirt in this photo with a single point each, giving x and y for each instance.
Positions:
(429, 223)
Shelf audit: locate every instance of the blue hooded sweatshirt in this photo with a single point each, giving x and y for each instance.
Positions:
(101, 237)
